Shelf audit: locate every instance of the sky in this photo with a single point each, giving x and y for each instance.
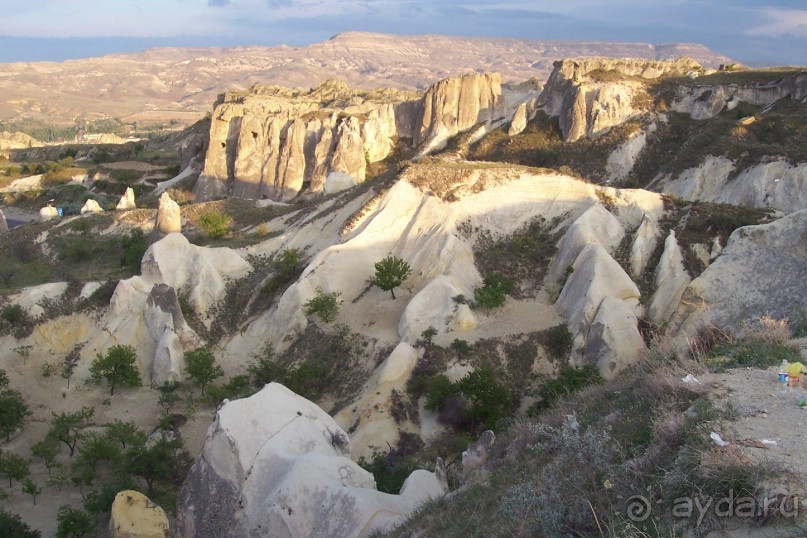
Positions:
(756, 33)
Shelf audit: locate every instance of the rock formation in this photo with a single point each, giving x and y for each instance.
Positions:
(168, 219)
(48, 213)
(127, 201)
(91, 206)
(762, 270)
(705, 101)
(587, 106)
(17, 141)
(133, 515)
(671, 280)
(167, 326)
(274, 464)
(3, 223)
(275, 143)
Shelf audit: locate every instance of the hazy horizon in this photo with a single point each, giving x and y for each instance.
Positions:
(766, 33)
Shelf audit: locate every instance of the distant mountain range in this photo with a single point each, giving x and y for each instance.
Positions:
(181, 84)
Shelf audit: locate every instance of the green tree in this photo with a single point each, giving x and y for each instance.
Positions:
(95, 448)
(13, 466)
(13, 412)
(30, 487)
(74, 523)
(156, 461)
(125, 433)
(169, 396)
(202, 367)
(67, 427)
(12, 526)
(324, 305)
(67, 371)
(391, 273)
(118, 367)
(46, 450)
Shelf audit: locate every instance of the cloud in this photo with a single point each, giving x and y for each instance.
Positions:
(217, 3)
(782, 22)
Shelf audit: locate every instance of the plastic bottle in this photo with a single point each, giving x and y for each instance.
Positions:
(783, 371)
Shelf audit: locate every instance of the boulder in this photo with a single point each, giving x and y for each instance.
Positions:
(127, 201)
(48, 213)
(133, 515)
(167, 327)
(434, 307)
(519, 121)
(275, 464)
(613, 341)
(338, 181)
(478, 453)
(762, 270)
(168, 220)
(91, 206)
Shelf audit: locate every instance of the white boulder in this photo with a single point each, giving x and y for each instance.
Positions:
(275, 464)
(91, 206)
(48, 213)
(434, 306)
(338, 181)
(127, 201)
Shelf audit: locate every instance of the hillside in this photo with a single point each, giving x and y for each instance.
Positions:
(357, 281)
(177, 86)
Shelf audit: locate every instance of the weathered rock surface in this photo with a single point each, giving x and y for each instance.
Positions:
(706, 101)
(776, 184)
(762, 270)
(168, 219)
(133, 515)
(3, 223)
(30, 298)
(338, 181)
(127, 201)
(621, 160)
(606, 330)
(274, 142)
(456, 104)
(371, 418)
(644, 244)
(275, 464)
(17, 141)
(671, 280)
(167, 326)
(91, 206)
(588, 107)
(434, 306)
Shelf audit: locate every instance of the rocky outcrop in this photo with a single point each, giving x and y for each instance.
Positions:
(371, 419)
(274, 143)
(776, 184)
(588, 106)
(167, 326)
(275, 464)
(622, 159)
(600, 301)
(168, 219)
(644, 244)
(133, 515)
(524, 113)
(762, 270)
(671, 280)
(456, 104)
(478, 453)
(91, 206)
(705, 101)
(337, 182)
(434, 306)
(127, 201)
(17, 141)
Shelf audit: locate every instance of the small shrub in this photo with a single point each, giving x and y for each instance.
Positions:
(215, 223)
(428, 335)
(494, 291)
(558, 341)
(133, 247)
(569, 381)
(325, 305)
(118, 367)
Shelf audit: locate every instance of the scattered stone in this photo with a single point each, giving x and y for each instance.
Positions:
(91, 206)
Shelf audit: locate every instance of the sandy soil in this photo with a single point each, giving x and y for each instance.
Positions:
(46, 394)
